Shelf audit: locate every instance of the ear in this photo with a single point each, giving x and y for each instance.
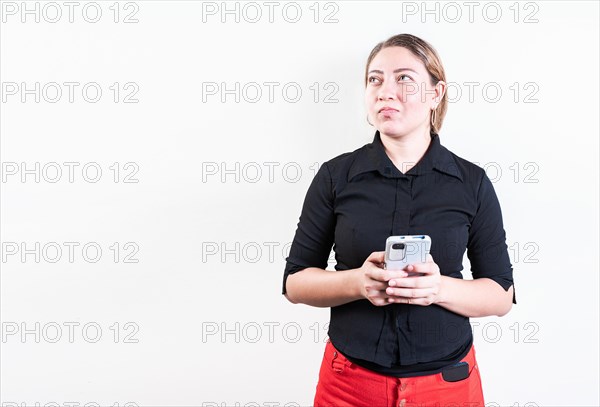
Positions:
(440, 90)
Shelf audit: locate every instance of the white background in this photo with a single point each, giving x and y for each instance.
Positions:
(207, 322)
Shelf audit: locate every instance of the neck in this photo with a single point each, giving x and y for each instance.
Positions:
(407, 150)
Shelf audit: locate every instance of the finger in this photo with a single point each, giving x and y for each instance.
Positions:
(408, 292)
(397, 281)
(411, 301)
(384, 274)
(413, 282)
(425, 268)
(376, 257)
(377, 297)
(375, 285)
(389, 274)
(374, 273)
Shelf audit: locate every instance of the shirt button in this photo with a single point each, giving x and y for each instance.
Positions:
(403, 386)
(402, 403)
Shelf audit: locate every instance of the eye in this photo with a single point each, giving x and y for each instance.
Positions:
(372, 79)
(404, 76)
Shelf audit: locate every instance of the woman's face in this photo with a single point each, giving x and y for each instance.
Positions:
(399, 96)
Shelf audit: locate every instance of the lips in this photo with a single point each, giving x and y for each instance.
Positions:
(387, 109)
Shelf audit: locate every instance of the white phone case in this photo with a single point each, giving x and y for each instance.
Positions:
(409, 250)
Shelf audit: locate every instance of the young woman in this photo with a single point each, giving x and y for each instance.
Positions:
(396, 340)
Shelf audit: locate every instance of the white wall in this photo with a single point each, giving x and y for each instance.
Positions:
(198, 329)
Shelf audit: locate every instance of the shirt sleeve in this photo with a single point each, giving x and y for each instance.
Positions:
(315, 232)
(486, 249)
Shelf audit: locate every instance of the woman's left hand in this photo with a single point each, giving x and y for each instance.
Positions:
(418, 290)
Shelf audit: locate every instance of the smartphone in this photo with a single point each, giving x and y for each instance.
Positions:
(400, 251)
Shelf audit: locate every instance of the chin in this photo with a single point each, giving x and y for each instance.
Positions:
(392, 129)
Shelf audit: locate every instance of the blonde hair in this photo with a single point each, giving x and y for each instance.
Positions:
(433, 64)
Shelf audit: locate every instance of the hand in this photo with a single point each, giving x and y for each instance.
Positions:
(373, 279)
(418, 290)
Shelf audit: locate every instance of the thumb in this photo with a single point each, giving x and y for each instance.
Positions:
(376, 257)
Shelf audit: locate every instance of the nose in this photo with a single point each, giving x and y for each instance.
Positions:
(386, 91)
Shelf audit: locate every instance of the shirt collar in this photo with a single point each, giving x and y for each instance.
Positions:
(372, 157)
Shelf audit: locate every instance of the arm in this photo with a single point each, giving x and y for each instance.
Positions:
(471, 298)
(305, 278)
(321, 288)
(474, 298)
(491, 292)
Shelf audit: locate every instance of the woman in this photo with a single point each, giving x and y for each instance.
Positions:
(396, 340)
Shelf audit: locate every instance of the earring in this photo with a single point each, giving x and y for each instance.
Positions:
(433, 118)
(371, 124)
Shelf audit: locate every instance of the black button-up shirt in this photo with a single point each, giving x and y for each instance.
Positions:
(355, 202)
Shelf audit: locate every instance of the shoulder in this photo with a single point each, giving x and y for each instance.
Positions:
(472, 174)
(335, 171)
(347, 157)
(475, 180)
(342, 163)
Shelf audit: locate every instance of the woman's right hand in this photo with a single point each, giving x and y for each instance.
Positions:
(373, 279)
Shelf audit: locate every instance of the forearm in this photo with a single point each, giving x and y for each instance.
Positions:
(322, 288)
(474, 298)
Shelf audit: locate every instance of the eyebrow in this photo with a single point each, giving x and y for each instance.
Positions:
(395, 70)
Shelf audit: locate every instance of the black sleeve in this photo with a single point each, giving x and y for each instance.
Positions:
(486, 249)
(314, 235)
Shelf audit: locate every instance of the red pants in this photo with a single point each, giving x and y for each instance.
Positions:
(343, 383)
